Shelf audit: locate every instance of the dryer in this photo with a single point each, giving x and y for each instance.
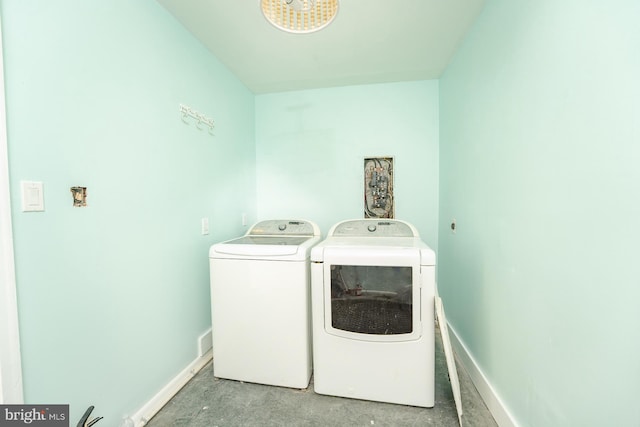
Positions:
(261, 304)
(373, 284)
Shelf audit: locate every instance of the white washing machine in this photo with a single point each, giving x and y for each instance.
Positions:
(373, 285)
(261, 304)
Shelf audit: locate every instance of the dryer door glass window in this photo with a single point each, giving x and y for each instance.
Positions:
(375, 300)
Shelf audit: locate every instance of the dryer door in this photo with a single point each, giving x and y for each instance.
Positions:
(373, 294)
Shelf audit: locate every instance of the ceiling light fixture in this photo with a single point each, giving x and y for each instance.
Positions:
(299, 16)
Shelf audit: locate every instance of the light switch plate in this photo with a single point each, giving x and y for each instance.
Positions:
(32, 196)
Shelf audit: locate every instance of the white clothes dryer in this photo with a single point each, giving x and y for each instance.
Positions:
(373, 284)
(260, 304)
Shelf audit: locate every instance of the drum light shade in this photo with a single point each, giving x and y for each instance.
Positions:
(299, 16)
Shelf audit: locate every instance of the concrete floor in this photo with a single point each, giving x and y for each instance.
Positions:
(207, 401)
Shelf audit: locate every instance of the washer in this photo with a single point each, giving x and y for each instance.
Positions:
(260, 304)
(373, 285)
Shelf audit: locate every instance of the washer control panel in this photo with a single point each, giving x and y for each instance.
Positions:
(284, 227)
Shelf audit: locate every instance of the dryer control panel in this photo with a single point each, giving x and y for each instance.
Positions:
(374, 228)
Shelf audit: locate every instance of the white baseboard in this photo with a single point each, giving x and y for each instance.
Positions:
(491, 399)
(205, 343)
(149, 409)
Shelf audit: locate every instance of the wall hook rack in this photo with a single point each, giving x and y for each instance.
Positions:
(201, 120)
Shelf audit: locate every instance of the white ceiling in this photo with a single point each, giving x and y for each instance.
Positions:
(370, 41)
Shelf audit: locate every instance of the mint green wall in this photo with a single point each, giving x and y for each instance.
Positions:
(113, 297)
(311, 147)
(539, 155)
(537, 122)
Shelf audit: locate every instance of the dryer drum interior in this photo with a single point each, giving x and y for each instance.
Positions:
(374, 300)
(371, 316)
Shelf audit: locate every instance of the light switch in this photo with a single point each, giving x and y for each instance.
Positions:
(32, 196)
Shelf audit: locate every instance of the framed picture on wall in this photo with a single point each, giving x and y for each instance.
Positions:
(378, 187)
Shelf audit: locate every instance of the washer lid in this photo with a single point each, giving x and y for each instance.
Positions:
(285, 239)
(263, 245)
(269, 240)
